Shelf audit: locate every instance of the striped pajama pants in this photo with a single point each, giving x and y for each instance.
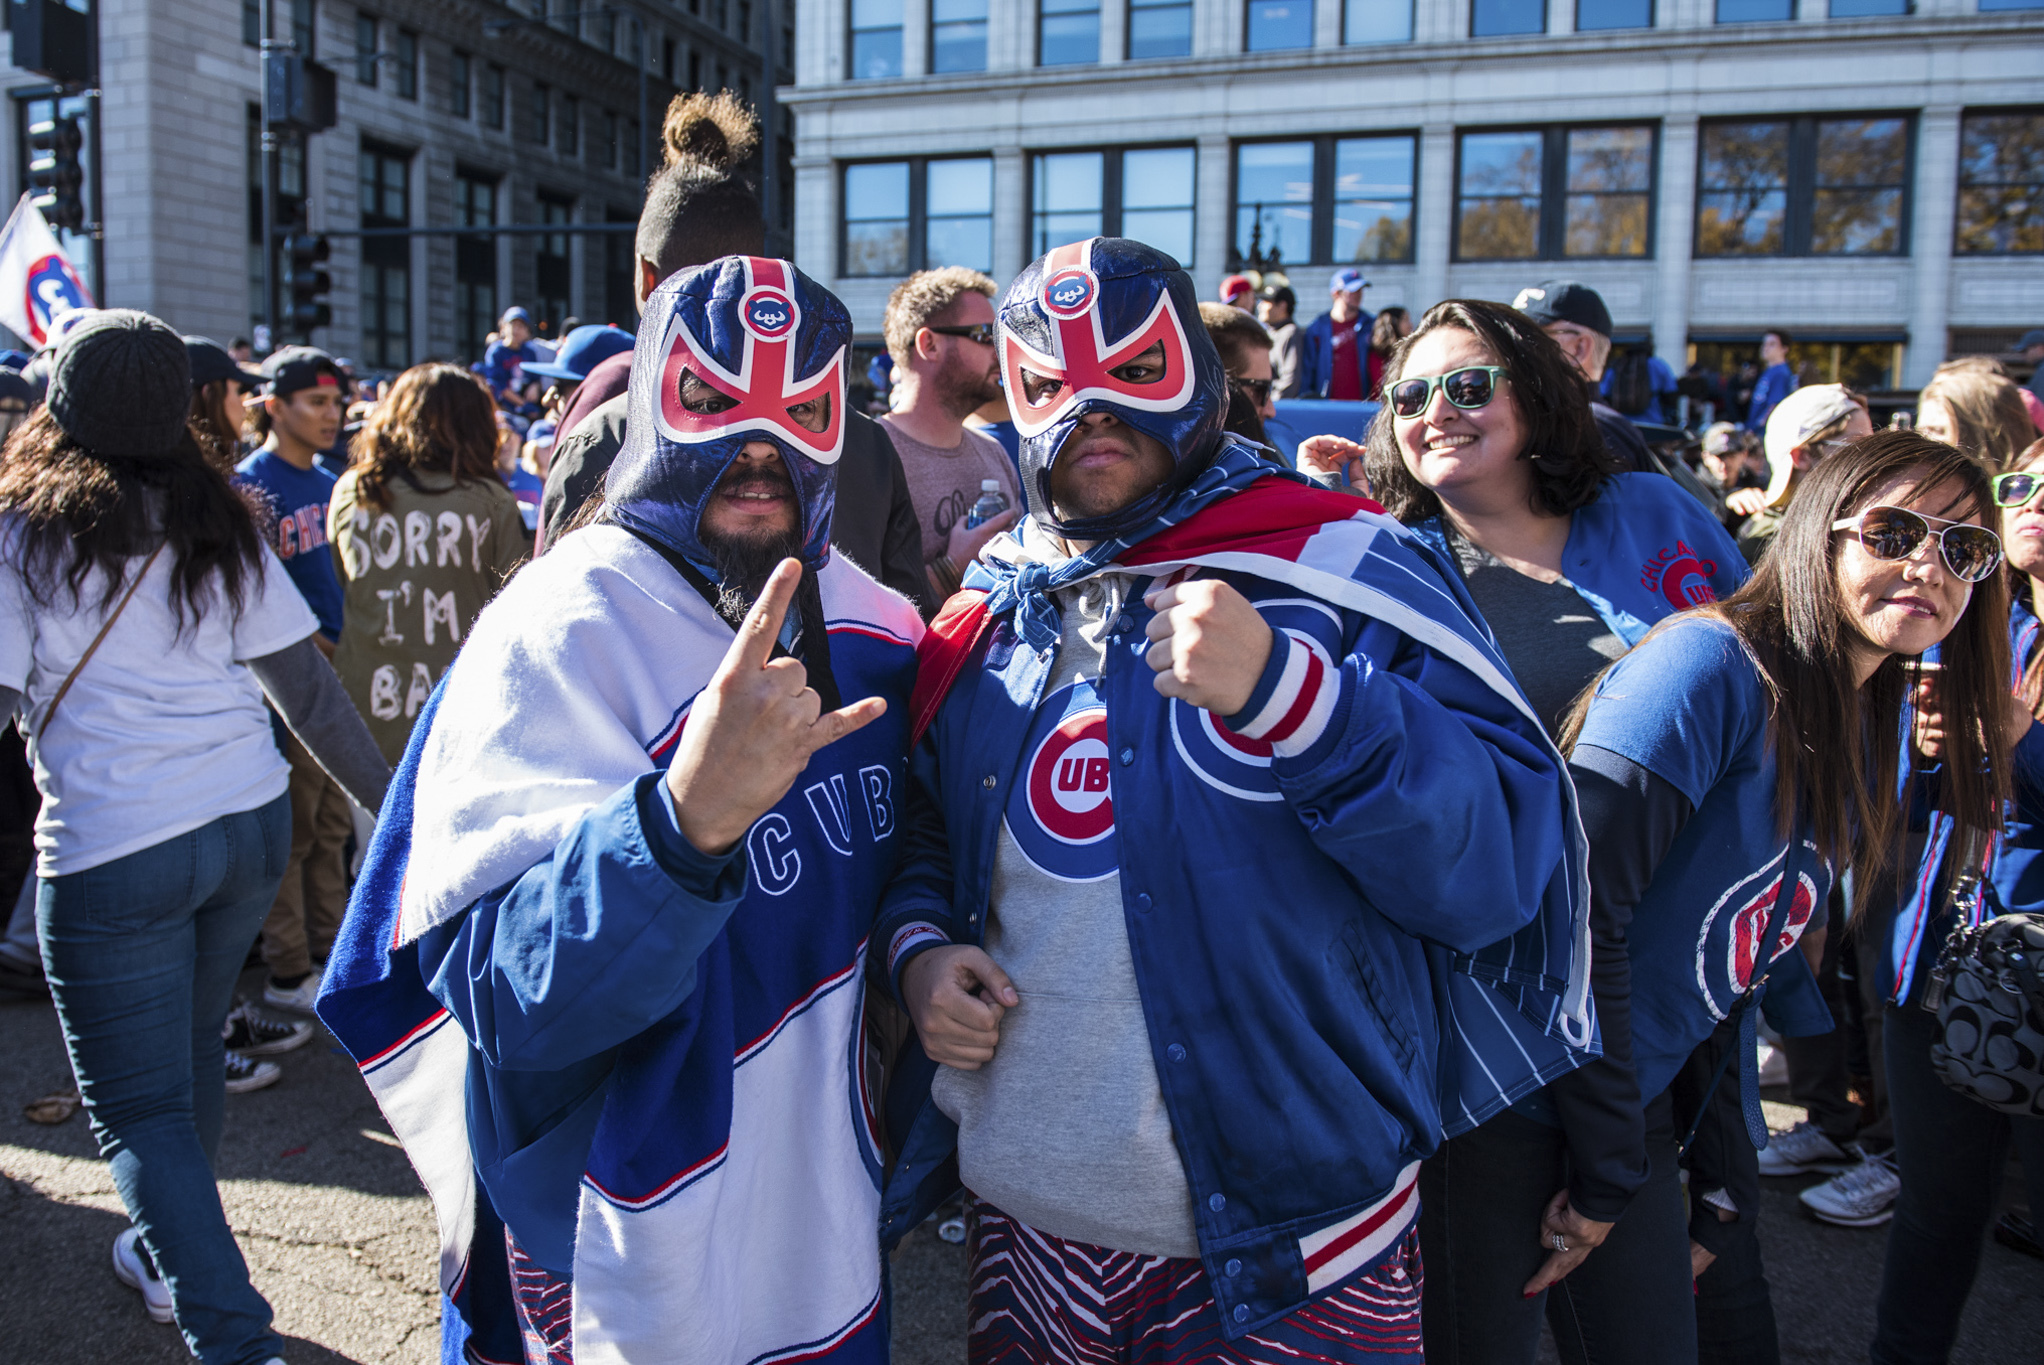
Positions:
(1038, 1299)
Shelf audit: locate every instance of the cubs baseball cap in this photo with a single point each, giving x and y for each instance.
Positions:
(1234, 287)
(1798, 417)
(515, 314)
(581, 350)
(300, 367)
(1565, 301)
(1347, 282)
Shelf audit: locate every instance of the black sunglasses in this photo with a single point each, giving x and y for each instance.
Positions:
(1971, 552)
(1256, 391)
(1468, 388)
(982, 332)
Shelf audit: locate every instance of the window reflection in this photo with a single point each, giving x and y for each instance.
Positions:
(1610, 181)
(1159, 28)
(1275, 25)
(1498, 217)
(876, 219)
(1274, 200)
(876, 39)
(958, 36)
(2001, 184)
(1744, 189)
(1068, 32)
(1373, 199)
(1066, 193)
(1857, 205)
(960, 227)
(1156, 198)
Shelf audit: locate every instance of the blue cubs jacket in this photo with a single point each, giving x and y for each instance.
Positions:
(1355, 909)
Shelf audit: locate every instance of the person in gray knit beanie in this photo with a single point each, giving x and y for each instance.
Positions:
(121, 384)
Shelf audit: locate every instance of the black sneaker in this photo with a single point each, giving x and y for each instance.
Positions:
(245, 1074)
(254, 1034)
(2017, 1233)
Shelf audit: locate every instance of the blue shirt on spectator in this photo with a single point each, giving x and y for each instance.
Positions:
(298, 498)
(503, 365)
(1776, 383)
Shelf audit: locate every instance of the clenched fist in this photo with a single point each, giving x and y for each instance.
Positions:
(751, 731)
(1210, 644)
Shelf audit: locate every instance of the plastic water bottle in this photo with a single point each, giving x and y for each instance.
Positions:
(990, 505)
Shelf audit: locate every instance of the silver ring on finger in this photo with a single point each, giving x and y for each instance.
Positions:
(1557, 1241)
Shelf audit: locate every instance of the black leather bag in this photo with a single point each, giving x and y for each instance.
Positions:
(1987, 992)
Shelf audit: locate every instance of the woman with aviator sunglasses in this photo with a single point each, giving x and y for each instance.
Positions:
(1487, 448)
(1950, 1152)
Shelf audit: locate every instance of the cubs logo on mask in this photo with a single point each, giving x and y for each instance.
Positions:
(769, 343)
(1069, 323)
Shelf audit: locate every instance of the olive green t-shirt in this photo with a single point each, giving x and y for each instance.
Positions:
(414, 577)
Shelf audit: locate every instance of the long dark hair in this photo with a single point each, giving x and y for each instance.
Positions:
(435, 417)
(1836, 745)
(1570, 463)
(83, 509)
(216, 436)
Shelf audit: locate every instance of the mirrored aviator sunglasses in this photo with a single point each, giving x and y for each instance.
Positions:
(1972, 553)
(2014, 490)
(1468, 388)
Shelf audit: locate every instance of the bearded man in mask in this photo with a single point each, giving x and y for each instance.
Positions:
(603, 968)
(1237, 867)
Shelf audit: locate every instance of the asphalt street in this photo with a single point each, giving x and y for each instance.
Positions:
(340, 1239)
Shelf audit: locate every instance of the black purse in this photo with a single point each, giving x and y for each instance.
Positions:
(1987, 994)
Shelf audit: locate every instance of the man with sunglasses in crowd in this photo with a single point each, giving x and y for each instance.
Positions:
(940, 333)
(1223, 816)
(1245, 354)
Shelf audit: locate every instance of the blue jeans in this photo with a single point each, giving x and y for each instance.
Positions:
(142, 954)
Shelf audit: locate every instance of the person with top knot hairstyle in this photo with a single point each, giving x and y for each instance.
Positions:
(1227, 826)
(613, 1005)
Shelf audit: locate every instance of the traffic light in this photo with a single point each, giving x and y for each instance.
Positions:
(306, 284)
(54, 173)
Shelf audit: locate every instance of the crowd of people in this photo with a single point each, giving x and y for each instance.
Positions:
(1316, 903)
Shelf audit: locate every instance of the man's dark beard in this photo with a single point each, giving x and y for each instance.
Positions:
(745, 563)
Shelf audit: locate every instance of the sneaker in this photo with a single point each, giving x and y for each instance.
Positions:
(133, 1268)
(1801, 1149)
(245, 1074)
(298, 999)
(2017, 1233)
(254, 1034)
(1862, 1197)
(1773, 1067)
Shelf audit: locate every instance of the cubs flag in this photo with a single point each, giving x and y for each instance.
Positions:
(38, 283)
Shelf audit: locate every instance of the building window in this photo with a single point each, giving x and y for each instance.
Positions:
(958, 36)
(1159, 28)
(385, 196)
(1989, 6)
(406, 59)
(667, 51)
(876, 40)
(1550, 193)
(475, 262)
(553, 272)
(1869, 9)
(304, 32)
(1274, 25)
(365, 50)
(457, 85)
(1597, 14)
(1804, 187)
(1376, 21)
(1327, 199)
(492, 100)
(1142, 192)
(745, 21)
(2001, 183)
(252, 22)
(1756, 11)
(1501, 18)
(610, 148)
(902, 216)
(571, 126)
(695, 71)
(1068, 32)
(540, 117)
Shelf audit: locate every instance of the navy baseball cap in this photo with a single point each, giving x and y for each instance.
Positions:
(210, 361)
(1565, 301)
(515, 314)
(581, 351)
(2033, 337)
(300, 367)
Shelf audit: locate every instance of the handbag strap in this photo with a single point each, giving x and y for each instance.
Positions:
(1746, 1048)
(93, 648)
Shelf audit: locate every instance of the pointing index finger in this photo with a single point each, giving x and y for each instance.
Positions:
(755, 642)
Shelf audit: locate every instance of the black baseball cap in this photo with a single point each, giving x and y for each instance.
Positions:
(1280, 293)
(210, 361)
(1565, 301)
(300, 367)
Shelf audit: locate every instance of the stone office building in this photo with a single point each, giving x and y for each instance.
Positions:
(442, 122)
(1868, 174)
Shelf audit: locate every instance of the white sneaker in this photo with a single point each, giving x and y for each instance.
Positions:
(1861, 1197)
(1773, 1065)
(254, 1034)
(245, 1074)
(297, 999)
(133, 1268)
(1802, 1148)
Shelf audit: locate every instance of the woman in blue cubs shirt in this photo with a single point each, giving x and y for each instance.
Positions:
(1950, 1151)
(1738, 757)
(1486, 446)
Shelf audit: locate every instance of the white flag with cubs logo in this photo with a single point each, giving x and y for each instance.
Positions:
(38, 284)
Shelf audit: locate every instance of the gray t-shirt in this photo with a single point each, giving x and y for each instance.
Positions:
(1553, 639)
(1066, 1128)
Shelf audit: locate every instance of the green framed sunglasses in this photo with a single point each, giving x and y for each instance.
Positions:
(1469, 388)
(2014, 490)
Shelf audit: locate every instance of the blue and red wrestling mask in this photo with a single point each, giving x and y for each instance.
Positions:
(1071, 324)
(765, 346)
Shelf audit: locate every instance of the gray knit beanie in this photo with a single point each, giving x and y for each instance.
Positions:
(121, 384)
